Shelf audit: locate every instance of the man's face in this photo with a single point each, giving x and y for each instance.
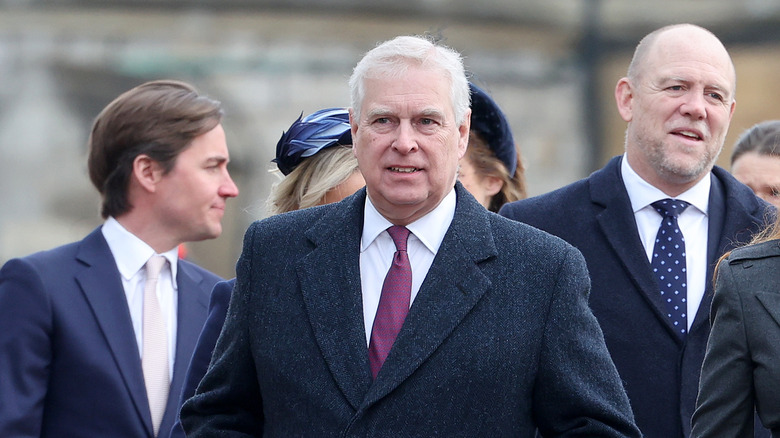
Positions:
(407, 143)
(192, 195)
(679, 108)
(761, 173)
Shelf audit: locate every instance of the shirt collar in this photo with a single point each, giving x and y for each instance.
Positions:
(641, 193)
(429, 229)
(131, 253)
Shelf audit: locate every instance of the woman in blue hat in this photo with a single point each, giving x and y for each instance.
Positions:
(491, 170)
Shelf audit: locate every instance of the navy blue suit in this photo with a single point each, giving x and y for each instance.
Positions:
(218, 306)
(70, 365)
(660, 371)
(499, 340)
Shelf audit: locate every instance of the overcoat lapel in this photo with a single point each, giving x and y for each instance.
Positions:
(330, 283)
(453, 286)
(618, 223)
(102, 286)
(771, 302)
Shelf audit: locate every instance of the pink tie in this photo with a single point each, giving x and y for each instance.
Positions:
(393, 303)
(155, 340)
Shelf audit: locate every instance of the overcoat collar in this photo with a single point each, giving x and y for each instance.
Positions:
(330, 284)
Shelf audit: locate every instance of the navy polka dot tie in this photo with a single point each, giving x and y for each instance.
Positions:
(669, 262)
(393, 303)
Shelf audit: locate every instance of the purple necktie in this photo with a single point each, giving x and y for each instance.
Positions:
(394, 302)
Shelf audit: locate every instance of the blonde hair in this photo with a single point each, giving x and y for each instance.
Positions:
(307, 185)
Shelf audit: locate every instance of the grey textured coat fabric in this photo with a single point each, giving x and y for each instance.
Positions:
(742, 365)
(660, 371)
(498, 342)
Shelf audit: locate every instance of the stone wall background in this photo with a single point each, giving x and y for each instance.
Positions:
(551, 65)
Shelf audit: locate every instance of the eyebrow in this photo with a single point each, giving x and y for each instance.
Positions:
(217, 160)
(723, 90)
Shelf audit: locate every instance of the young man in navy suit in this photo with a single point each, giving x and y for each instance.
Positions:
(93, 343)
(678, 99)
(408, 309)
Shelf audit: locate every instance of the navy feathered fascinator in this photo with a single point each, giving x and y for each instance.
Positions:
(309, 135)
(490, 122)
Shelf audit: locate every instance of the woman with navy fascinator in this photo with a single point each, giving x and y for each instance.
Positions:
(315, 156)
(491, 170)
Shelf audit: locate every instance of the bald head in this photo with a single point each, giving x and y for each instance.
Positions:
(678, 100)
(674, 37)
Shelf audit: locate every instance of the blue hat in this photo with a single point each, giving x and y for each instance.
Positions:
(307, 136)
(488, 120)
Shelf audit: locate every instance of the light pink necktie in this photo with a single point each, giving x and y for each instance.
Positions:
(155, 342)
(393, 303)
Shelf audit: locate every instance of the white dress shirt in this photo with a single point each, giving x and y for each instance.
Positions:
(377, 249)
(130, 254)
(693, 224)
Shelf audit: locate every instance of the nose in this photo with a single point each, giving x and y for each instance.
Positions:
(228, 188)
(405, 140)
(694, 105)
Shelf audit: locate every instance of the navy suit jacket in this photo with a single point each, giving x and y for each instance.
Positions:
(218, 306)
(499, 340)
(660, 371)
(70, 365)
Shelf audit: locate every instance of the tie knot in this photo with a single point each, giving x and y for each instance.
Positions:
(670, 207)
(154, 266)
(400, 235)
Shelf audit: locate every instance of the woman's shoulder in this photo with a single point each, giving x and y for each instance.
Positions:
(757, 251)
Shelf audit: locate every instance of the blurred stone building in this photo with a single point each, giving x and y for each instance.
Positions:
(551, 65)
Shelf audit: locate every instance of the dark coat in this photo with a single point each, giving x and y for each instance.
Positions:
(741, 369)
(70, 365)
(660, 370)
(499, 340)
(218, 306)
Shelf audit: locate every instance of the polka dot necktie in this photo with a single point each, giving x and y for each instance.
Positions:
(393, 302)
(669, 262)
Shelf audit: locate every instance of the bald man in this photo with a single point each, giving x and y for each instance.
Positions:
(677, 100)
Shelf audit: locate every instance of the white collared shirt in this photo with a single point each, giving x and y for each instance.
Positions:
(130, 254)
(693, 223)
(377, 249)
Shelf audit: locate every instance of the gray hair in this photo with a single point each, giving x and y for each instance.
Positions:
(392, 58)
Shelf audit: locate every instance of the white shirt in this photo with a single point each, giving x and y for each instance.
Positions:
(131, 254)
(693, 224)
(377, 249)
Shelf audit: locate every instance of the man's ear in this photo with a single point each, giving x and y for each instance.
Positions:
(463, 134)
(147, 172)
(624, 97)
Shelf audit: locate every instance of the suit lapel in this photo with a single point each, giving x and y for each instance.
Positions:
(192, 309)
(330, 284)
(618, 223)
(453, 286)
(102, 287)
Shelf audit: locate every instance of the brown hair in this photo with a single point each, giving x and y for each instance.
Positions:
(762, 138)
(158, 119)
(487, 164)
